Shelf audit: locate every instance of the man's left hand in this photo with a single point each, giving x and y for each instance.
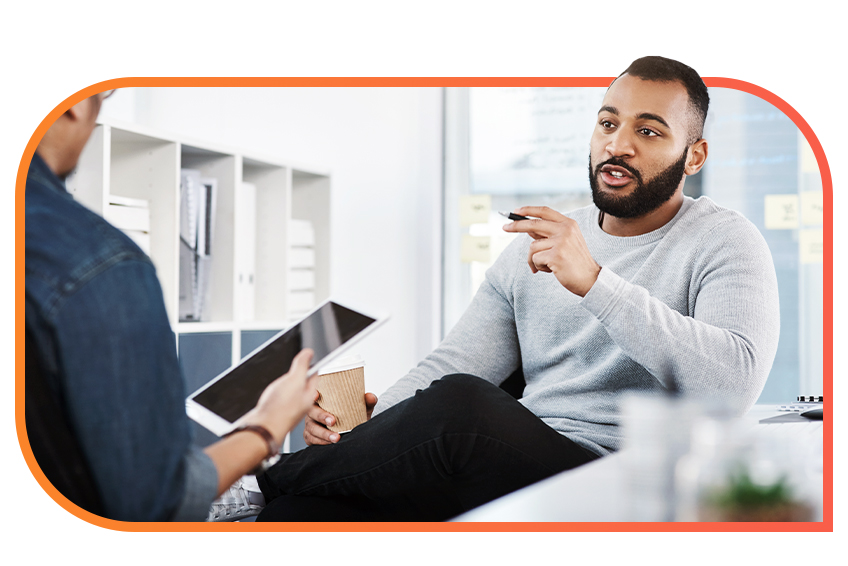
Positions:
(558, 248)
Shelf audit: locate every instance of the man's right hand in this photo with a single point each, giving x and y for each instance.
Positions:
(315, 431)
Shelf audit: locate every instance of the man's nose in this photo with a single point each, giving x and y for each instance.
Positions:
(620, 144)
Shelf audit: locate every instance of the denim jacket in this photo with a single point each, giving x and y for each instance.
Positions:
(95, 307)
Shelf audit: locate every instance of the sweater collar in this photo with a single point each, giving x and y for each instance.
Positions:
(635, 241)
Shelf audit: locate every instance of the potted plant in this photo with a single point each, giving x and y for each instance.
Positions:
(742, 499)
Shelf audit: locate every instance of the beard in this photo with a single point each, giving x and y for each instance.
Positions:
(646, 197)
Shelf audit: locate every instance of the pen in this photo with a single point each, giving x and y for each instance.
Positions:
(513, 216)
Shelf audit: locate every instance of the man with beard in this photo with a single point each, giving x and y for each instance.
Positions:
(645, 291)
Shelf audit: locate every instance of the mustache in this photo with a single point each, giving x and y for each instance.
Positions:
(619, 162)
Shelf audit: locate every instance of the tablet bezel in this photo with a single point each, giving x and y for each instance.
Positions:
(219, 425)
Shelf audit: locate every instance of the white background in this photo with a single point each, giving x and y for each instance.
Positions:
(52, 49)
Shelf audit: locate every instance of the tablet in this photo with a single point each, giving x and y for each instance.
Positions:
(328, 330)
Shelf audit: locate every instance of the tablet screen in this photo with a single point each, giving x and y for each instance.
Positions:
(323, 331)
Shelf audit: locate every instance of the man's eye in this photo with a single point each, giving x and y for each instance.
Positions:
(647, 132)
(607, 124)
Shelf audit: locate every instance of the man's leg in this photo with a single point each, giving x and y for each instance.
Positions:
(451, 447)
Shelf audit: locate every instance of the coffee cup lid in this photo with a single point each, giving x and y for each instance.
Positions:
(343, 364)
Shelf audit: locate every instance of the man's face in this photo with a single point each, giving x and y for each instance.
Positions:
(639, 147)
(67, 137)
(89, 109)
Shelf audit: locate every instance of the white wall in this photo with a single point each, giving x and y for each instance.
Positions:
(383, 148)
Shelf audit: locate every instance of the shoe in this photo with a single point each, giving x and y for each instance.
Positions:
(241, 501)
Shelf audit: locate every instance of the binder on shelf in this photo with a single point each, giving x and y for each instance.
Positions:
(128, 217)
(187, 282)
(127, 201)
(206, 213)
(197, 214)
(188, 206)
(131, 216)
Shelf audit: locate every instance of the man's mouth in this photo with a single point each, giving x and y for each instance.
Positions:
(615, 176)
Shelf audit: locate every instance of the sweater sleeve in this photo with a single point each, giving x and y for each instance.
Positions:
(727, 347)
(484, 341)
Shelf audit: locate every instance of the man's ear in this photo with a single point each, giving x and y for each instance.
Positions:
(74, 112)
(81, 110)
(697, 156)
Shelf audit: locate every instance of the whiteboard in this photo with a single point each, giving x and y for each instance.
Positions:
(531, 140)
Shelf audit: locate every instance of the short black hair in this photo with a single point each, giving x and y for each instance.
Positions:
(661, 69)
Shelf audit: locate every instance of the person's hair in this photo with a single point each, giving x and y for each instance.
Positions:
(660, 69)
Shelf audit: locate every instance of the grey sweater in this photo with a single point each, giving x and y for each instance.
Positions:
(692, 305)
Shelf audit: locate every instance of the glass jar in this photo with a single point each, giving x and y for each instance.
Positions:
(734, 472)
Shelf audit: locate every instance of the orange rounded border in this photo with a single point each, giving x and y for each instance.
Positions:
(826, 525)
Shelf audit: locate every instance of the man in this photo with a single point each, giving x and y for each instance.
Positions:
(646, 291)
(104, 395)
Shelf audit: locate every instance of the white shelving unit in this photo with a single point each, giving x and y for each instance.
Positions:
(251, 253)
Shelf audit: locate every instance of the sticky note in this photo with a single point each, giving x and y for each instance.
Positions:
(812, 208)
(808, 158)
(781, 212)
(476, 248)
(474, 209)
(811, 244)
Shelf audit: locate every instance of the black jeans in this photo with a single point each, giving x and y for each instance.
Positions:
(451, 447)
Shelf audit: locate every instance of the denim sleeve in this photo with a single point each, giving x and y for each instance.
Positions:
(126, 397)
(201, 487)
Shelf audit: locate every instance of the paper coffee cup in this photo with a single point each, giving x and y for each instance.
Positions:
(342, 393)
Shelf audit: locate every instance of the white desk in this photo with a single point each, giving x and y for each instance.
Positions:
(596, 491)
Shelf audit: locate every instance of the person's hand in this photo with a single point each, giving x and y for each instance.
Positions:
(558, 248)
(315, 431)
(286, 399)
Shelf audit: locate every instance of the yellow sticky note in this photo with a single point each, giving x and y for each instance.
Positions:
(812, 246)
(476, 248)
(812, 208)
(808, 158)
(474, 209)
(781, 212)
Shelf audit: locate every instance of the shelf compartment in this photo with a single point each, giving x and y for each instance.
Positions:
(143, 167)
(222, 168)
(270, 231)
(310, 201)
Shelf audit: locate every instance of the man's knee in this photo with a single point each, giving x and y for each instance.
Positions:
(461, 388)
(461, 398)
(463, 382)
